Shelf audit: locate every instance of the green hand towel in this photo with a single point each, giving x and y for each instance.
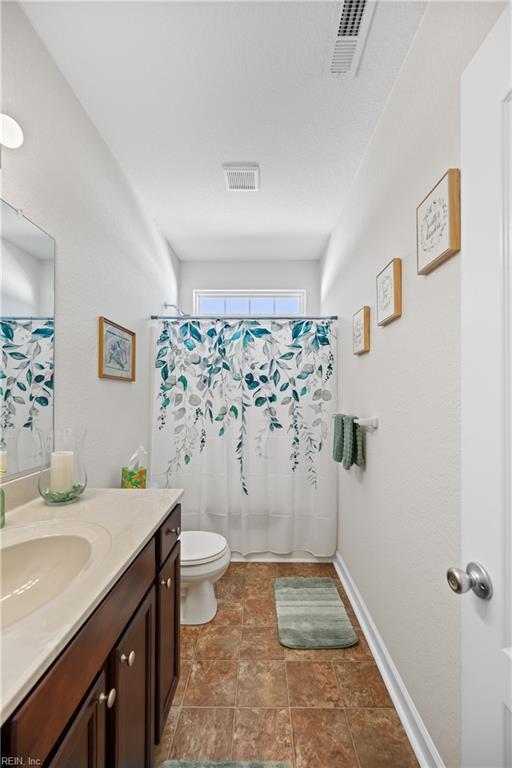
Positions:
(359, 458)
(337, 447)
(348, 442)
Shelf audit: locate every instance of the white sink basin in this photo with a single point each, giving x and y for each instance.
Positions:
(41, 561)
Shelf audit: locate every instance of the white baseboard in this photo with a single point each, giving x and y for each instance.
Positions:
(421, 741)
(271, 557)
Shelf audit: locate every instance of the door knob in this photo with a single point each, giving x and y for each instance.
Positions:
(475, 577)
(130, 659)
(166, 583)
(108, 698)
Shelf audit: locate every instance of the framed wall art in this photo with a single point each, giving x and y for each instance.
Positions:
(438, 223)
(361, 331)
(116, 359)
(389, 292)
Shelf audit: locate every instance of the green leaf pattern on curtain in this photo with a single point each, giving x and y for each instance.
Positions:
(26, 374)
(216, 371)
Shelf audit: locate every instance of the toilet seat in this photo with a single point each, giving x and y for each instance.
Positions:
(199, 547)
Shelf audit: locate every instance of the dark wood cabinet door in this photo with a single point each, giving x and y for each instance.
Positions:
(84, 745)
(133, 672)
(167, 637)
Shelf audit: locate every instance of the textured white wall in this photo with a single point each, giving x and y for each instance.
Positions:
(110, 258)
(400, 519)
(250, 275)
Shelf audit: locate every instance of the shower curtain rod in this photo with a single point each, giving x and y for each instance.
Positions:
(244, 317)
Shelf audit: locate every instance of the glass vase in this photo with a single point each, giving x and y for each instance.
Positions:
(62, 478)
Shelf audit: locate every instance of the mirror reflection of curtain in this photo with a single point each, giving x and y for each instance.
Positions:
(242, 422)
(26, 388)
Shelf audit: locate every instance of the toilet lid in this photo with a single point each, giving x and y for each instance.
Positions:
(201, 547)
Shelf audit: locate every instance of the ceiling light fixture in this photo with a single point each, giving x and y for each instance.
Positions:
(11, 133)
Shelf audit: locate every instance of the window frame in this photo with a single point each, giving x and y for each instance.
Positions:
(228, 293)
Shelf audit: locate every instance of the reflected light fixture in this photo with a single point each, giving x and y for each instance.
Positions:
(11, 133)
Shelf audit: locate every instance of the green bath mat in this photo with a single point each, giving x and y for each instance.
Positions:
(222, 764)
(310, 614)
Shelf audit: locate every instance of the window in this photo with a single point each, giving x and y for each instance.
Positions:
(247, 303)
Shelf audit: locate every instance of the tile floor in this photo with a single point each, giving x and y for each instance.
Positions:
(242, 696)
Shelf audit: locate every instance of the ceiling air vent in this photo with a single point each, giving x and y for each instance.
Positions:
(351, 34)
(242, 177)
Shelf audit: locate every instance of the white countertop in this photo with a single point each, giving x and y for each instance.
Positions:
(128, 519)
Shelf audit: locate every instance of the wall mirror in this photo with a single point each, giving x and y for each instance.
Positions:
(27, 276)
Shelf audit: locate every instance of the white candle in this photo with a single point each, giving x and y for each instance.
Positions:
(61, 471)
(3, 463)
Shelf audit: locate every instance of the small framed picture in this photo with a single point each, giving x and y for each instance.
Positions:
(438, 223)
(361, 331)
(116, 358)
(389, 292)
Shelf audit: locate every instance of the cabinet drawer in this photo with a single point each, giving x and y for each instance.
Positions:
(168, 534)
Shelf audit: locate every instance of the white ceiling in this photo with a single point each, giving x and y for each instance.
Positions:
(178, 88)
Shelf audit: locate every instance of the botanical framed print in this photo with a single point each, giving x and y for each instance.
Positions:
(116, 351)
(389, 292)
(361, 331)
(438, 223)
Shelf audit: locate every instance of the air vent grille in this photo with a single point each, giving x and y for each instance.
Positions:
(242, 178)
(343, 56)
(351, 17)
(350, 36)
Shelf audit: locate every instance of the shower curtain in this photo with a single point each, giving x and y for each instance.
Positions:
(242, 421)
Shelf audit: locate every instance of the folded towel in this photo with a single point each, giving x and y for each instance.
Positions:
(337, 447)
(348, 444)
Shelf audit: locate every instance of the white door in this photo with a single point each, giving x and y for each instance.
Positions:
(486, 265)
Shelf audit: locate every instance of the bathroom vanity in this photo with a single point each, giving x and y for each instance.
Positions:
(89, 675)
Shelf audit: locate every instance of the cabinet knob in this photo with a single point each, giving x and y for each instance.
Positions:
(176, 530)
(166, 583)
(109, 698)
(130, 659)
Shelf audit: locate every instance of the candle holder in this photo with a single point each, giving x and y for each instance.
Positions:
(62, 478)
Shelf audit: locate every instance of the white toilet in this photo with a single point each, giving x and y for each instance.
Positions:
(204, 559)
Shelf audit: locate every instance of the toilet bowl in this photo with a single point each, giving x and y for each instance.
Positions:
(204, 559)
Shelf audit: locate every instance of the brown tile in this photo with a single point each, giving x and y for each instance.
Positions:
(291, 569)
(182, 683)
(359, 652)
(203, 734)
(259, 589)
(188, 640)
(211, 684)
(219, 642)
(162, 750)
(262, 734)
(308, 654)
(312, 684)
(230, 588)
(260, 644)
(262, 684)
(379, 739)
(260, 612)
(320, 570)
(235, 569)
(260, 571)
(229, 613)
(322, 739)
(361, 684)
